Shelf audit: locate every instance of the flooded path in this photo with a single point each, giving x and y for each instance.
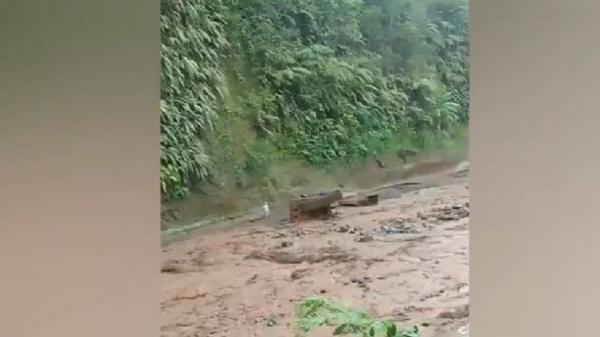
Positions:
(405, 259)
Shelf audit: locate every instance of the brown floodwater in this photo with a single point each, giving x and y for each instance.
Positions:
(228, 205)
(405, 259)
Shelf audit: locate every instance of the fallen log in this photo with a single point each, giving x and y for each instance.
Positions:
(316, 206)
(355, 201)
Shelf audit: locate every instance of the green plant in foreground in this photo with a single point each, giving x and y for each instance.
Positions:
(318, 312)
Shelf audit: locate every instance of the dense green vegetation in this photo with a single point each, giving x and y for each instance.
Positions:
(246, 83)
(318, 312)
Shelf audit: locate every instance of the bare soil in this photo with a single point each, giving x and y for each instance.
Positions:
(406, 259)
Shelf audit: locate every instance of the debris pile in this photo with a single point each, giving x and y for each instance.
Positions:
(453, 213)
(397, 226)
(298, 256)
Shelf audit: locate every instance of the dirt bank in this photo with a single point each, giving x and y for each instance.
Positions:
(404, 259)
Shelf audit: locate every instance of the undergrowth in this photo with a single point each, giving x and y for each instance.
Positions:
(246, 84)
(316, 312)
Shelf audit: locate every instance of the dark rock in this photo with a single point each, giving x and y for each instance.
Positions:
(286, 244)
(342, 229)
(459, 313)
(364, 238)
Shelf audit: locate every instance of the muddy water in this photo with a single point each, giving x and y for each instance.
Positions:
(404, 259)
(226, 208)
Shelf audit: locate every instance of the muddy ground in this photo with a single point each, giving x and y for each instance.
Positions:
(405, 259)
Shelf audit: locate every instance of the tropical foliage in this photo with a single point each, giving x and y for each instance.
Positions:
(248, 82)
(318, 312)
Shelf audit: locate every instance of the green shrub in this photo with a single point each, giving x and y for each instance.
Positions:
(318, 312)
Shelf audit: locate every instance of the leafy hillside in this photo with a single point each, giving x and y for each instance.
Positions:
(246, 83)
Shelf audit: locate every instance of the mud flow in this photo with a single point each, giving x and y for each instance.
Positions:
(404, 259)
